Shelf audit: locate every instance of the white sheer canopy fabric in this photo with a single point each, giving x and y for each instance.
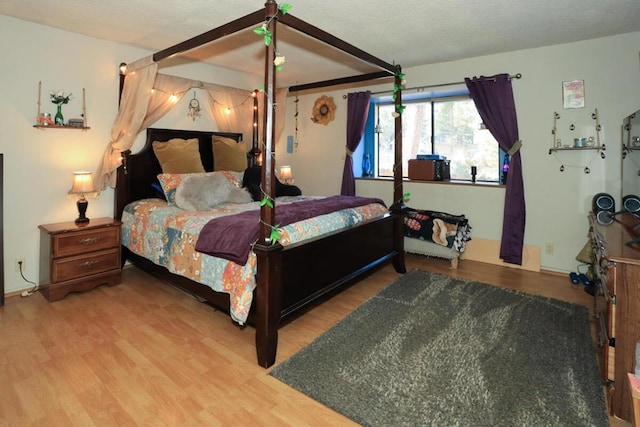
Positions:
(221, 100)
(167, 93)
(281, 111)
(148, 95)
(133, 110)
(232, 110)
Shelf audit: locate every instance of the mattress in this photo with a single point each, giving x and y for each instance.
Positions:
(167, 235)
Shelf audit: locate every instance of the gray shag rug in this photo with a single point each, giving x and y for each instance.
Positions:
(432, 350)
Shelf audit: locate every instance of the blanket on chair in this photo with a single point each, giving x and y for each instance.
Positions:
(230, 237)
(452, 231)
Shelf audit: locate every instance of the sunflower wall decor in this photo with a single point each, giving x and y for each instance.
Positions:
(324, 110)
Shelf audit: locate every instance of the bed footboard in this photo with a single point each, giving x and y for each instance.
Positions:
(289, 283)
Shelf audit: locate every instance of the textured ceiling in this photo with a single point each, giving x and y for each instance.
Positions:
(408, 32)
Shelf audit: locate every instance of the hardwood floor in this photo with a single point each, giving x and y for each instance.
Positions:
(145, 353)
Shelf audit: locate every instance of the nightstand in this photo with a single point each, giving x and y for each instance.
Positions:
(79, 258)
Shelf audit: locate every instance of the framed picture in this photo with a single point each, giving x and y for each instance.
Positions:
(573, 94)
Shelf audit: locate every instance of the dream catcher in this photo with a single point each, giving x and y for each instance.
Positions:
(194, 108)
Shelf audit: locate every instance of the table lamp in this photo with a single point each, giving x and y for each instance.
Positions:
(286, 176)
(82, 184)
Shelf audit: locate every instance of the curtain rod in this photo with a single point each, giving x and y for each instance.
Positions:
(422, 88)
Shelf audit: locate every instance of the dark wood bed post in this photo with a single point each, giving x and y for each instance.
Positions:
(122, 70)
(398, 205)
(122, 187)
(268, 304)
(278, 268)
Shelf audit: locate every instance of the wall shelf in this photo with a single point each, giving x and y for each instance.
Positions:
(593, 144)
(40, 118)
(61, 127)
(555, 149)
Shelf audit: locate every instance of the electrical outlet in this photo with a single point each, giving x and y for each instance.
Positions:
(548, 248)
(17, 264)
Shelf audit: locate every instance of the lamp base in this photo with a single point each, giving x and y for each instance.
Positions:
(82, 210)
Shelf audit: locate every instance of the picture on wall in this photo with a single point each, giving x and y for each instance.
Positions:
(573, 94)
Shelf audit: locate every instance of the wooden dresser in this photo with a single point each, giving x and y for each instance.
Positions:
(617, 306)
(78, 258)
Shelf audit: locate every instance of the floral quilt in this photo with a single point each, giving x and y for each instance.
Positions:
(167, 235)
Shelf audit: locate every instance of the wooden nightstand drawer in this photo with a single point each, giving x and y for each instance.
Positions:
(76, 258)
(82, 265)
(67, 244)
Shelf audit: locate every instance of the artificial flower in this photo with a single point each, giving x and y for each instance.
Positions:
(60, 98)
(279, 60)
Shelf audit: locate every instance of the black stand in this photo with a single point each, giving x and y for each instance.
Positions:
(82, 210)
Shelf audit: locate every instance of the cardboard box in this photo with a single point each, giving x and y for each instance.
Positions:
(429, 170)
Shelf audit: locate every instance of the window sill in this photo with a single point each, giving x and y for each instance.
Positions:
(449, 182)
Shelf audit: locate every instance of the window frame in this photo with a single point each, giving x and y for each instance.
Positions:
(370, 141)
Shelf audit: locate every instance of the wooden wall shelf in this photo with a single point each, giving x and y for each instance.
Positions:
(60, 127)
(39, 118)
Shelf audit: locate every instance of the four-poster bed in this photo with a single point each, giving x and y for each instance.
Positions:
(288, 278)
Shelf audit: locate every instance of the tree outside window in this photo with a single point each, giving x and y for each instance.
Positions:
(448, 127)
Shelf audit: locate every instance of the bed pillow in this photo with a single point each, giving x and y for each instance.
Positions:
(179, 155)
(171, 181)
(205, 192)
(229, 155)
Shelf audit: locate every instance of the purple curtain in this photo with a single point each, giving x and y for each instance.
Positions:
(493, 97)
(357, 112)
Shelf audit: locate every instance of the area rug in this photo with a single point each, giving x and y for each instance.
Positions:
(435, 350)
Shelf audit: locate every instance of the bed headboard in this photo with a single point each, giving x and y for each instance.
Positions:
(140, 170)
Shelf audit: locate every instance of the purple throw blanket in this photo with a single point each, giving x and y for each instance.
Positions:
(230, 237)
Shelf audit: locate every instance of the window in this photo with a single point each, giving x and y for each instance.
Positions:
(449, 126)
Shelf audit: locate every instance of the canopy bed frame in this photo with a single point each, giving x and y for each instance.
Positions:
(288, 278)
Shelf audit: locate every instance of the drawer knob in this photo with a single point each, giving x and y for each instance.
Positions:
(89, 241)
(88, 264)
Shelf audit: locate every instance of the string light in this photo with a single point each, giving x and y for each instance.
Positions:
(228, 110)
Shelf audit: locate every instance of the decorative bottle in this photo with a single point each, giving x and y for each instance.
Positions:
(366, 165)
(59, 118)
(505, 169)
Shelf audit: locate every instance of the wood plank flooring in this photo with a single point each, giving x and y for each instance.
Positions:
(144, 353)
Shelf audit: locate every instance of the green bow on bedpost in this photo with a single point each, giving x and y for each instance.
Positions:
(263, 30)
(397, 87)
(274, 237)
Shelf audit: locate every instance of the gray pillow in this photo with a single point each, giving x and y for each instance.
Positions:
(205, 192)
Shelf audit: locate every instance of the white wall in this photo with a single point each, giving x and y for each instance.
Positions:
(38, 164)
(557, 202)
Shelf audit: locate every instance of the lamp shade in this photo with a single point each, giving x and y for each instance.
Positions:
(285, 173)
(82, 183)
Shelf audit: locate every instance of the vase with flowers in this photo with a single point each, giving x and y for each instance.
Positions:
(60, 98)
